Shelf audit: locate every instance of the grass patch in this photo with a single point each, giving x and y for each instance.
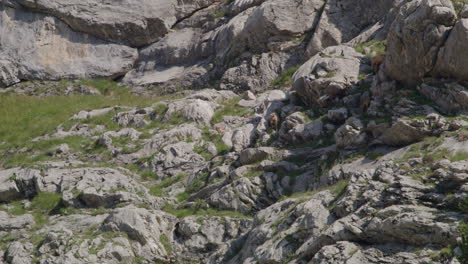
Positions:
(459, 156)
(166, 244)
(198, 183)
(285, 78)
(230, 108)
(27, 117)
(463, 228)
(5, 240)
(426, 150)
(45, 202)
(42, 151)
(219, 14)
(377, 46)
(158, 190)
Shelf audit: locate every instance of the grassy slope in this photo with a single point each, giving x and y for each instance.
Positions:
(24, 117)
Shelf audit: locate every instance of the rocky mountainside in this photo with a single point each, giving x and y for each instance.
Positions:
(237, 131)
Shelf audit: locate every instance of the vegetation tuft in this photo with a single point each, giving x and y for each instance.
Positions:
(285, 78)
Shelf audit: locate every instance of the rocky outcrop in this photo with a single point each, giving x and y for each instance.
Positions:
(416, 37)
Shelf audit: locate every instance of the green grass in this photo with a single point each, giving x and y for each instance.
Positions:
(459, 156)
(463, 228)
(426, 150)
(219, 14)
(198, 183)
(45, 202)
(230, 108)
(158, 190)
(166, 243)
(285, 78)
(23, 118)
(26, 117)
(6, 239)
(42, 151)
(379, 47)
(14, 208)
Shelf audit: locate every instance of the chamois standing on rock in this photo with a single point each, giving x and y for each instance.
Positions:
(376, 62)
(273, 121)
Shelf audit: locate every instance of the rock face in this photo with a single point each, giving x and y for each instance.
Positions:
(416, 37)
(43, 47)
(135, 23)
(340, 22)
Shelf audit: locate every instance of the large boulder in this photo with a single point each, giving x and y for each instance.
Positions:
(327, 74)
(450, 63)
(132, 22)
(43, 47)
(415, 38)
(276, 19)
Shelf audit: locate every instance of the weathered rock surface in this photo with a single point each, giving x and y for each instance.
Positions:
(41, 47)
(135, 23)
(327, 74)
(416, 37)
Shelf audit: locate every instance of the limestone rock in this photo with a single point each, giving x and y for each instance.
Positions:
(9, 223)
(449, 62)
(135, 23)
(414, 40)
(55, 51)
(145, 227)
(342, 21)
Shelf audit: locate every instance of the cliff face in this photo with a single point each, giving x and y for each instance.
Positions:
(244, 131)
